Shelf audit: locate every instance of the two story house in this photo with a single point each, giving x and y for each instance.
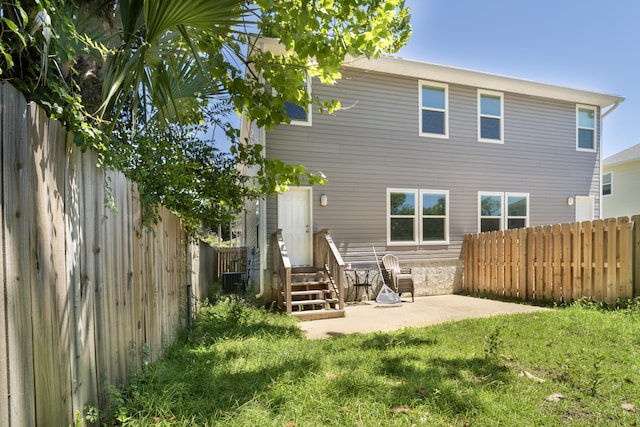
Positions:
(421, 154)
(620, 178)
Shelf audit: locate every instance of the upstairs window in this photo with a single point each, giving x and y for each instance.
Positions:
(296, 113)
(607, 182)
(434, 118)
(586, 132)
(490, 116)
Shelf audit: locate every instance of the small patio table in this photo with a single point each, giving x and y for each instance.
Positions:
(361, 279)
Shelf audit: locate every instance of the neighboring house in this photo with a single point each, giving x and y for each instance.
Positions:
(620, 179)
(422, 154)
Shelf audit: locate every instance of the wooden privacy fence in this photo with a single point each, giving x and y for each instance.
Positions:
(229, 260)
(87, 296)
(563, 262)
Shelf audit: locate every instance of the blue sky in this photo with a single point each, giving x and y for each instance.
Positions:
(583, 44)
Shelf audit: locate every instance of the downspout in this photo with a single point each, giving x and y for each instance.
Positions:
(262, 227)
(602, 116)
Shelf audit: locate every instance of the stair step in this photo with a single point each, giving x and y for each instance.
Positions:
(310, 292)
(319, 314)
(309, 283)
(308, 302)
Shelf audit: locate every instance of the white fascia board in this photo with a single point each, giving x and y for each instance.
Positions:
(428, 71)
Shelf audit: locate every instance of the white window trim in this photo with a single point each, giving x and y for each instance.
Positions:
(504, 211)
(444, 86)
(501, 117)
(595, 128)
(446, 218)
(610, 184)
(415, 216)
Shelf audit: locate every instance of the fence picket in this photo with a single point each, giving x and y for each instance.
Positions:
(597, 284)
(625, 261)
(587, 259)
(506, 279)
(557, 262)
(577, 242)
(566, 281)
(18, 241)
(522, 263)
(547, 266)
(611, 260)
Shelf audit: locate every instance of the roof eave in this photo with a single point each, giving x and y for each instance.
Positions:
(428, 71)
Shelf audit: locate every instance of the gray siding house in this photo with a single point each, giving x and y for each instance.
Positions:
(421, 154)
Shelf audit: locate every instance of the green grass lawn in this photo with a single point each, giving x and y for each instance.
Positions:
(242, 366)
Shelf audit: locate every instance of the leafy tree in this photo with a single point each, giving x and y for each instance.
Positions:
(135, 79)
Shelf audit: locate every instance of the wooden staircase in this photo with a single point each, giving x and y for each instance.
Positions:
(313, 294)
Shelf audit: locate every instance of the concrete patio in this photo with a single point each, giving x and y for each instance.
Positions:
(368, 316)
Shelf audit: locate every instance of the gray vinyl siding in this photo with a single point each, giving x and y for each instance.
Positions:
(374, 144)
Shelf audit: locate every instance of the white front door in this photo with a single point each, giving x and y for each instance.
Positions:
(294, 218)
(584, 208)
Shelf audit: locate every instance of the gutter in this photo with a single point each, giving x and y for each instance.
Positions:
(262, 227)
(610, 110)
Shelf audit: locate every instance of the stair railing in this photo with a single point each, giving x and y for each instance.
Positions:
(325, 253)
(282, 266)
